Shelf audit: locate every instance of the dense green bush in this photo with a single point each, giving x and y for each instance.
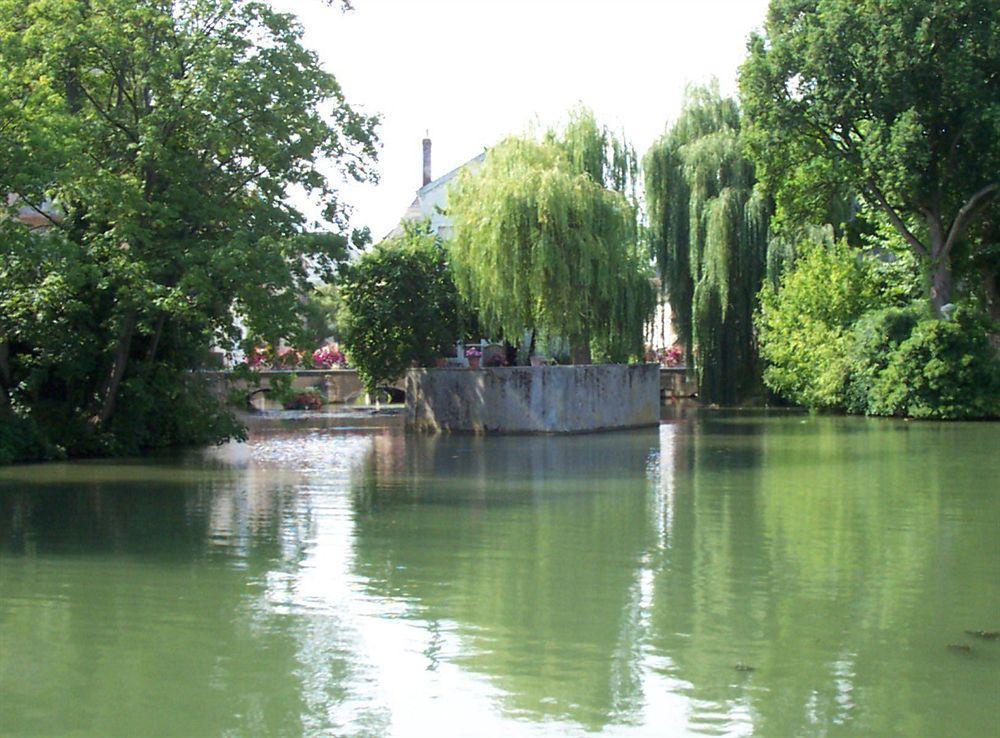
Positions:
(21, 441)
(842, 331)
(945, 369)
(399, 305)
(875, 336)
(804, 325)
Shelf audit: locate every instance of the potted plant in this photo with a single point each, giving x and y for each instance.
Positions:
(473, 355)
(309, 399)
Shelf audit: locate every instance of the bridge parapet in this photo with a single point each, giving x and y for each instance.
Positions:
(336, 386)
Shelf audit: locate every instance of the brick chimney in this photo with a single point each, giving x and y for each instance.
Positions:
(427, 161)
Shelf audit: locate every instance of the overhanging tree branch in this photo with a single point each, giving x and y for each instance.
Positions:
(967, 213)
(894, 218)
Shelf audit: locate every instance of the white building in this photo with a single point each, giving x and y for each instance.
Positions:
(35, 217)
(431, 200)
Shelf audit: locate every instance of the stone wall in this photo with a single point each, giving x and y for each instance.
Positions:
(675, 381)
(543, 399)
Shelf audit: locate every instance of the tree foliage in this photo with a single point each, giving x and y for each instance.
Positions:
(805, 323)
(945, 369)
(546, 239)
(708, 230)
(838, 333)
(895, 100)
(399, 305)
(158, 142)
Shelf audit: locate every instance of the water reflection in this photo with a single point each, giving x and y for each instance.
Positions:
(542, 539)
(336, 576)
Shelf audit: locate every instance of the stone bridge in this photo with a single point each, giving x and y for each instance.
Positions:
(336, 386)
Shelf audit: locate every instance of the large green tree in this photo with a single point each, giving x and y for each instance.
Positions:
(895, 100)
(546, 239)
(708, 228)
(158, 142)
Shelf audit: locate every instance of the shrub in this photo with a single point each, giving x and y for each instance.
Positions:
(399, 306)
(875, 336)
(804, 326)
(21, 441)
(945, 369)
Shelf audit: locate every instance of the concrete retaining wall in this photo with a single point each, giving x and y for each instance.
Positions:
(543, 399)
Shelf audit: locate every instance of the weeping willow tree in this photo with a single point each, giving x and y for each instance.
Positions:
(546, 239)
(708, 229)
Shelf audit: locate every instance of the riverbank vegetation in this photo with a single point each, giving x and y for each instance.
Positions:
(830, 239)
(399, 306)
(708, 228)
(881, 119)
(155, 146)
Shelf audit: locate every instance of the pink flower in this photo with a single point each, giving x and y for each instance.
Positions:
(287, 357)
(256, 357)
(329, 356)
(672, 356)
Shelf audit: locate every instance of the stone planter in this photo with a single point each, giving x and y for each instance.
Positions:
(544, 399)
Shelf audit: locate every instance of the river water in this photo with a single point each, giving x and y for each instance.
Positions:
(723, 574)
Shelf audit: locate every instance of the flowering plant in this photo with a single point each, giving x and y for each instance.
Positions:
(286, 358)
(473, 352)
(672, 356)
(256, 357)
(329, 356)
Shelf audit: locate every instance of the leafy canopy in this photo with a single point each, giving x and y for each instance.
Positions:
(546, 239)
(895, 100)
(158, 143)
(399, 305)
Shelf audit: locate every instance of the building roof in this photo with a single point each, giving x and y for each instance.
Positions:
(431, 197)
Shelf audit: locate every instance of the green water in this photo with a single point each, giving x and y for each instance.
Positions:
(335, 576)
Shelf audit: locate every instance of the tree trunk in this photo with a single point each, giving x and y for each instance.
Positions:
(941, 283)
(4, 373)
(109, 389)
(154, 343)
(580, 348)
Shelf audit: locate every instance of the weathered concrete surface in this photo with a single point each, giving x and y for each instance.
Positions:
(543, 399)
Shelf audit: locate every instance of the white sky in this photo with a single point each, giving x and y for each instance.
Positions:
(473, 71)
